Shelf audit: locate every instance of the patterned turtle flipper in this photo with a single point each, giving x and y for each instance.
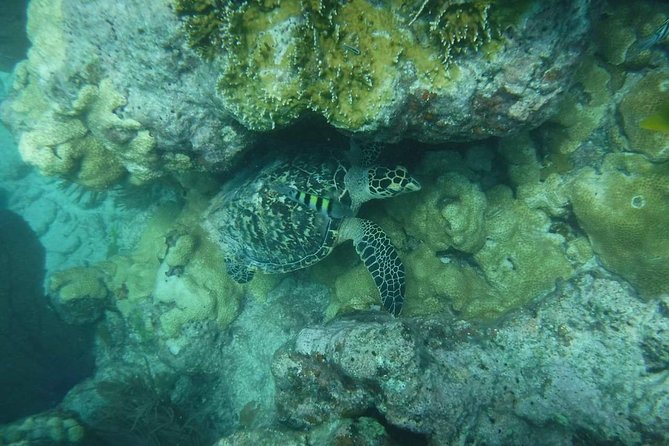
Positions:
(381, 259)
(239, 272)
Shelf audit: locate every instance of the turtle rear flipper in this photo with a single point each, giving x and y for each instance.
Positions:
(381, 259)
(239, 272)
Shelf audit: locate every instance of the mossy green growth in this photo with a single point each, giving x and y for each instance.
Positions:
(623, 209)
(647, 98)
(342, 60)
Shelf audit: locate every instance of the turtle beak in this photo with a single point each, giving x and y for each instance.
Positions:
(413, 185)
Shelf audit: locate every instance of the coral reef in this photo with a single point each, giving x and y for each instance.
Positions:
(584, 109)
(360, 431)
(559, 228)
(600, 155)
(133, 405)
(469, 244)
(85, 95)
(433, 71)
(86, 142)
(173, 265)
(501, 273)
(544, 377)
(646, 98)
(359, 66)
(136, 387)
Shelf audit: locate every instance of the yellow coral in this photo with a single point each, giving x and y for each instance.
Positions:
(86, 143)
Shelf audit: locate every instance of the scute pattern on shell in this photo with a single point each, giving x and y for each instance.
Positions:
(264, 229)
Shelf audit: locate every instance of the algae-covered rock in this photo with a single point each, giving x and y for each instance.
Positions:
(433, 71)
(623, 209)
(583, 109)
(542, 377)
(443, 70)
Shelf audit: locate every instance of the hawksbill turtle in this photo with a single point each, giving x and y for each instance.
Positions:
(292, 211)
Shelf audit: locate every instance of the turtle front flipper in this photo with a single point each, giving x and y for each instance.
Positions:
(381, 259)
(239, 272)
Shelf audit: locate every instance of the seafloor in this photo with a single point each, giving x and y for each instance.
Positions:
(175, 173)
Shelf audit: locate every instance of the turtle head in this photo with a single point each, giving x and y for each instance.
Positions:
(383, 182)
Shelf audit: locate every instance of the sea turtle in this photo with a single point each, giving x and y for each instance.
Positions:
(292, 211)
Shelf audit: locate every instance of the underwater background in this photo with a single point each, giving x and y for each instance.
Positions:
(176, 177)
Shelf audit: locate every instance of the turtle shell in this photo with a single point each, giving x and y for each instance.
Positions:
(265, 229)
